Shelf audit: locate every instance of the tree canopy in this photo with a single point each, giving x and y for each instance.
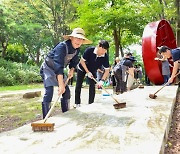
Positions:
(39, 25)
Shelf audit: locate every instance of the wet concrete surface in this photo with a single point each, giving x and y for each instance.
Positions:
(141, 127)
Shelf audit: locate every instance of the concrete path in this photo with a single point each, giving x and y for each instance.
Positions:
(139, 128)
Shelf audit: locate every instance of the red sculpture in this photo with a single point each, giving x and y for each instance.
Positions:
(155, 35)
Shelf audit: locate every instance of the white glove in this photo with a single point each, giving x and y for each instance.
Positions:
(89, 74)
(100, 84)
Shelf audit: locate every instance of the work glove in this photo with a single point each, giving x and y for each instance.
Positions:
(100, 84)
(89, 74)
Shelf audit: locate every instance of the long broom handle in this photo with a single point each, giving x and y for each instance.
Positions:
(52, 107)
(161, 87)
(50, 110)
(165, 84)
(107, 91)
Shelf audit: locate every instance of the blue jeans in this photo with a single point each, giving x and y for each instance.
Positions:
(166, 78)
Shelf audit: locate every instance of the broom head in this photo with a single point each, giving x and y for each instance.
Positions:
(152, 96)
(119, 105)
(37, 127)
(141, 86)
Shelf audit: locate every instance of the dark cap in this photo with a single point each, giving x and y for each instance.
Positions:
(163, 49)
(104, 44)
(132, 58)
(128, 54)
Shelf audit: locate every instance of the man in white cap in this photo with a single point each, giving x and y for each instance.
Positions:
(52, 70)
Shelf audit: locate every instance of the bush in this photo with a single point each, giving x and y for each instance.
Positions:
(5, 77)
(12, 73)
(32, 77)
(16, 53)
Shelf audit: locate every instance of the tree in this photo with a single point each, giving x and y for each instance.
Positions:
(15, 53)
(118, 19)
(177, 4)
(55, 15)
(4, 30)
(39, 24)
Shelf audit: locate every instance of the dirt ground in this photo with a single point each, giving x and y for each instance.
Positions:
(173, 143)
(172, 146)
(16, 111)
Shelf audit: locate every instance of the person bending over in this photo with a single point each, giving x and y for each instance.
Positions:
(92, 59)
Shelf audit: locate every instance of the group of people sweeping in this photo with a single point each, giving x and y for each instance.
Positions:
(66, 53)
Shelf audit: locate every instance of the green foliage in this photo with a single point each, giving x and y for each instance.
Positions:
(12, 73)
(39, 25)
(16, 53)
(5, 77)
(101, 19)
(21, 87)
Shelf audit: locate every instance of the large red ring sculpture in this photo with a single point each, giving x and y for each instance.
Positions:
(155, 35)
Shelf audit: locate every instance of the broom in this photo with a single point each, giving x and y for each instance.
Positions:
(153, 96)
(118, 105)
(38, 126)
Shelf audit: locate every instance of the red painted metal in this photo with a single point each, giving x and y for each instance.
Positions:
(156, 34)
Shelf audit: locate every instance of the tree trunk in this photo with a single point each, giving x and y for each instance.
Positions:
(116, 42)
(38, 57)
(121, 50)
(162, 16)
(178, 23)
(4, 47)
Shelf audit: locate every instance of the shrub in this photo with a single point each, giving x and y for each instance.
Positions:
(16, 53)
(6, 79)
(32, 77)
(12, 73)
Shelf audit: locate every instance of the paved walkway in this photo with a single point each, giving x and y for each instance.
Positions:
(139, 128)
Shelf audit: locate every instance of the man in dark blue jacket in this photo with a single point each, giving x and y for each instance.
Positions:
(52, 70)
(175, 54)
(92, 59)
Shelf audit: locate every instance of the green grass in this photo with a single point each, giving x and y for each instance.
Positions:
(21, 87)
(16, 111)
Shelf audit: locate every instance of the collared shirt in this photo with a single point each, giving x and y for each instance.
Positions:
(93, 61)
(95, 52)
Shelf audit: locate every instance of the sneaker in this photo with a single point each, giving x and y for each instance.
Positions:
(76, 105)
(117, 93)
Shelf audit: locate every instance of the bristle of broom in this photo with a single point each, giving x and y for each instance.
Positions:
(37, 127)
(119, 105)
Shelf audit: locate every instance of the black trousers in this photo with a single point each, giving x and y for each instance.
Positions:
(120, 84)
(79, 82)
(113, 81)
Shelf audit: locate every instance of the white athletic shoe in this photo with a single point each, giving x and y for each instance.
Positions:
(76, 105)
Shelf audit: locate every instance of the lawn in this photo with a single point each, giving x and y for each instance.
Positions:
(16, 111)
(21, 87)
